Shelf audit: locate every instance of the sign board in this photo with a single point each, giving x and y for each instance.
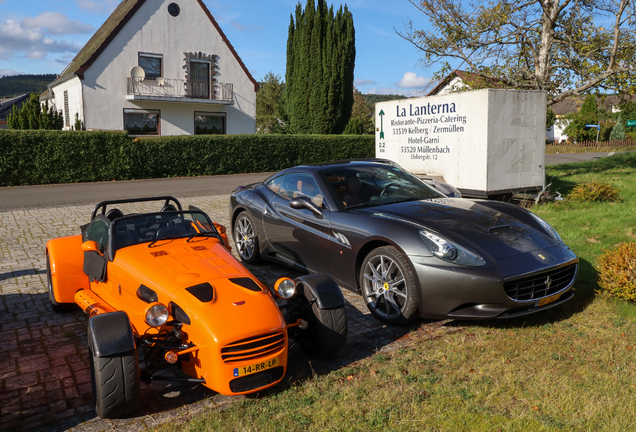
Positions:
(631, 122)
(594, 126)
(483, 142)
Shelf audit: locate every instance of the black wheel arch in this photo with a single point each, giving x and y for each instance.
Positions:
(321, 287)
(110, 333)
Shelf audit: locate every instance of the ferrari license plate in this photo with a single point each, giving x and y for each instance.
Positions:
(256, 367)
(548, 300)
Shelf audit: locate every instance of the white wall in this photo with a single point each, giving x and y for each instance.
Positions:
(75, 105)
(487, 140)
(153, 30)
(556, 133)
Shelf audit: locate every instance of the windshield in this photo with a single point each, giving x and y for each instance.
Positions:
(372, 185)
(143, 228)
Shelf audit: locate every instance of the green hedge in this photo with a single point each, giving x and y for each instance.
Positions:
(47, 157)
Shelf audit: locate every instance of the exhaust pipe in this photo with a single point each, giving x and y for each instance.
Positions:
(91, 303)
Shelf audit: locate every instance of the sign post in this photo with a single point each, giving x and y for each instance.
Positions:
(631, 122)
(598, 129)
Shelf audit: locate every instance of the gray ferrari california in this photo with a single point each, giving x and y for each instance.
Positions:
(403, 244)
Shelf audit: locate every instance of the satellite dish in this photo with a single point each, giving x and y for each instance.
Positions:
(137, 73)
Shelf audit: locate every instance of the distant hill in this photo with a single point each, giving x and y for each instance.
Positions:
(16, 85)
(372, 99)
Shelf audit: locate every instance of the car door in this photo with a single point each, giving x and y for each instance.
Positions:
(298, 235)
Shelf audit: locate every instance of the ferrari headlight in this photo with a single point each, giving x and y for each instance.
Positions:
(285, 288)
(446, 250)
(156, 315)
(546, 226)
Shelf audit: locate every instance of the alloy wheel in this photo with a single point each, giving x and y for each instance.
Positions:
(385, 288)
(245, 237)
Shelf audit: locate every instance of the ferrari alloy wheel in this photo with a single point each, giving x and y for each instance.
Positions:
(116, 384)
(388, 286)
(246, 239)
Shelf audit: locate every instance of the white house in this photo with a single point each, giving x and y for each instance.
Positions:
(158, 67)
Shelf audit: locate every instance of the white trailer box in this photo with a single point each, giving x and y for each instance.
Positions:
(483, 142)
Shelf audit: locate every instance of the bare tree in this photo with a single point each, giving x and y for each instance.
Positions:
(566, 47)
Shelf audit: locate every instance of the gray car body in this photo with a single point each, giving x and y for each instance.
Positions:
(513, 244)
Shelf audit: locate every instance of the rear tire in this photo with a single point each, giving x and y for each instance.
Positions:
(246, 239)
(55, 306)
(116, 384)
(327, 331)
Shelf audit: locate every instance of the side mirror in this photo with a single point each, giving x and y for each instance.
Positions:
(220, 228)
(91, 245)
(304, 203)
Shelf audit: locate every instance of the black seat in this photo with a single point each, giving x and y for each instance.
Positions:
(114, 213)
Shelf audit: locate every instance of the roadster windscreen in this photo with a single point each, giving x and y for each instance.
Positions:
(151, 227)
(358, 186)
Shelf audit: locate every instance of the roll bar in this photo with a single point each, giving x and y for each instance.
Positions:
(102, 205)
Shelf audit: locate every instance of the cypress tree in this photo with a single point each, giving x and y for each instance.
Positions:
(320, 64)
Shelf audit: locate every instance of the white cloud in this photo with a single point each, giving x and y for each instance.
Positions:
(8, 72)
(396, 91)
(410, 80)
(57, 23)
(360, 82)
(16, 37)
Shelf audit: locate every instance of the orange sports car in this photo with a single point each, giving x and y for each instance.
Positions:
(165, 288)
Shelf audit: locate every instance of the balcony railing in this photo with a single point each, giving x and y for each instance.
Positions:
(178, 88)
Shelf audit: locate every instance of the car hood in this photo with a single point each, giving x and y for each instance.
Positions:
(173, 267)
(485, 230)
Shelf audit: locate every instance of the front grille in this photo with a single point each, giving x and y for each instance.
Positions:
(252, 348)
(538, 285)
(257, 380)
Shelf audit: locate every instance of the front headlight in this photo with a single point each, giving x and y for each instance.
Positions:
(446, 250)
(156, 315)
(285, 288)
(546, 226)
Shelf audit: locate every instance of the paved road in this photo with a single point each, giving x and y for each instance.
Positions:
(91, 193)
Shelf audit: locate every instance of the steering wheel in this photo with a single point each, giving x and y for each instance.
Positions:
(386, 188)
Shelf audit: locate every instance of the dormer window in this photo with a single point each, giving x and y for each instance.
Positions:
(151, 64)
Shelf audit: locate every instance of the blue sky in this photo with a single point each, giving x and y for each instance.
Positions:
(38, 36)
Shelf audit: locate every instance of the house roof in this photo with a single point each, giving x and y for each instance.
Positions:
(572, 104)
(472, 80)
(112, 26)
(7, 106)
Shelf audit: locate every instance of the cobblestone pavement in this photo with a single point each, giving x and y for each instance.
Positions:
(45, 379)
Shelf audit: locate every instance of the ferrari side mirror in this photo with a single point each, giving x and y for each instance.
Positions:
(304, 203)
(91, 245)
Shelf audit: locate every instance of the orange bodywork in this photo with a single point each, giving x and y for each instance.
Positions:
(236, 333)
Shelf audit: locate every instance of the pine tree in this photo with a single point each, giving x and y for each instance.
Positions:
(32, 115)
(618, 132)
(320, 63)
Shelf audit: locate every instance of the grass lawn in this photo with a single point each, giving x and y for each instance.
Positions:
(570, 368)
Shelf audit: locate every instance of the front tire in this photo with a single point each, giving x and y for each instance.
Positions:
(388, 284)
(246, 239)
(116, 384)
(327, 331)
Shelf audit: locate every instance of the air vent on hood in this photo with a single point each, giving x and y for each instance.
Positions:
(204, 292)
(146, 294)
(246, 283)
(178, 313)
(158, 253)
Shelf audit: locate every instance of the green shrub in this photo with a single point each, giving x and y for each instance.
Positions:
(617, 272)
(594, 191)
(47, 157)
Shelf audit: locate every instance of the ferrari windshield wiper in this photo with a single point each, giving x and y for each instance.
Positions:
(367, 204)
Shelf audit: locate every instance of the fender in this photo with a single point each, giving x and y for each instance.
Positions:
(321, 287)
(67, 261)
(110, 334)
